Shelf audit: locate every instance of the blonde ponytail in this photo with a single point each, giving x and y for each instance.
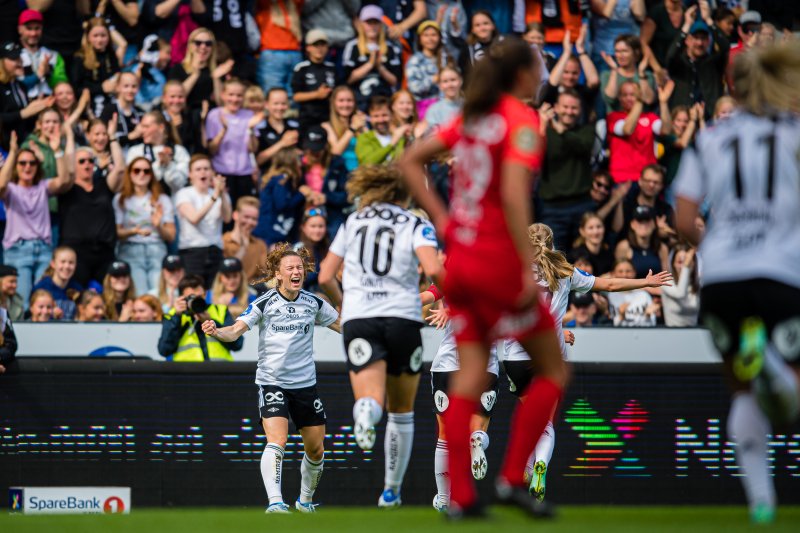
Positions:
(766, 80)
(552, 264)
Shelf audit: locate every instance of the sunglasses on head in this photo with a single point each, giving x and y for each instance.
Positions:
(199, 42)
(137, 171)
(315, 212)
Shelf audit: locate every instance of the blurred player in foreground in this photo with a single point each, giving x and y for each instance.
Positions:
(748, 168)
(286, 377)
(496, 148)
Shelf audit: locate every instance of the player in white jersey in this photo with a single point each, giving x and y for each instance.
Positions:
(557, 278)
(381, 245)
(286, 378)
(748, 168)
(445, 362)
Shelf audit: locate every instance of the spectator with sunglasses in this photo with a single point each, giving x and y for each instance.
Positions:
(25, 191)
(86, 211)
(748, 30)
(240, 242)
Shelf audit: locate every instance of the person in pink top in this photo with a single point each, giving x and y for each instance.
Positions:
(27, 243)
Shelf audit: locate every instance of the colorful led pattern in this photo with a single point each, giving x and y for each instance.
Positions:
(607, 443)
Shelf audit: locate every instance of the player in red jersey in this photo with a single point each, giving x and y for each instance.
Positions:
(496, 149)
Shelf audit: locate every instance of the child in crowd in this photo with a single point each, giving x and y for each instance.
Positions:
(57, 280)
(119, 292)
(41, 307)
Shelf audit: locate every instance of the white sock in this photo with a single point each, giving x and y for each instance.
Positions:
(371, 409)
(397, 448)
(481, 436)
(529, 465)
(441, 459)
(271, 470)
(748, 428)
(544, 448)
(783, 382)
(310, 474)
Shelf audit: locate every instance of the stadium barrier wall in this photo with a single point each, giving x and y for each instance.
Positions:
(610, 345)
(189, 435)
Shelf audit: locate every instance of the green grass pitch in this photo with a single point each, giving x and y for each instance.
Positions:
(414, 519)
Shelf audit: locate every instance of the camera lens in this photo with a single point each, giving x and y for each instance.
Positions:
(196, 304)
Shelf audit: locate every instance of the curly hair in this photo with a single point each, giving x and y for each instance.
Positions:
(270, 269)
(551, 263)
(373, 184)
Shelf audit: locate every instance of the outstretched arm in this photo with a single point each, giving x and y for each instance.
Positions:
(625, 284)
(226, 334)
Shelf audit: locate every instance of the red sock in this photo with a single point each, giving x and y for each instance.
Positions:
(527, 425)
(456, 427)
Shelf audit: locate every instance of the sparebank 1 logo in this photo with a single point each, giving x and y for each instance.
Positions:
(606, 442)
(15, 496)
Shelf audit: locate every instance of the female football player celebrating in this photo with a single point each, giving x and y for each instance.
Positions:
(496, 148)
(286, 378)
(381, 245)
(557, 278)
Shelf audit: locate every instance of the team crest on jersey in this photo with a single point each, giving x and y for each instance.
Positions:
(525, 140)
(359, 351)
(441, 401)
(416, 359)
(488, 399)
(429, 233)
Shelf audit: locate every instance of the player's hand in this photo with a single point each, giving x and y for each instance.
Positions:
(569, 337)
(658, 280)
(439, 318)
(210, 328)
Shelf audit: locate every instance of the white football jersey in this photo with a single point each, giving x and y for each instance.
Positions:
(748, 168)
(378, 245)
(286, 336)
(579, 281)
(446, 358)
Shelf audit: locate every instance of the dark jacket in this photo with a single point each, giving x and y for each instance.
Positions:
(700, 80)
(172, 331)
(336, 202)
(281, 209)
(8, 348)
(567, 171)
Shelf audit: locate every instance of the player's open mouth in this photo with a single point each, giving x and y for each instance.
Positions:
(296, 280)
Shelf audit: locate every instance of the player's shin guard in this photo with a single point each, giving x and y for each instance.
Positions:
(748, 428)
(527, 425)
(456, 424)
(440, 460)
(310, 474)
(397, 448)
(271, 471)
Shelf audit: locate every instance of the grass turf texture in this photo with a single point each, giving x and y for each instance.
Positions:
(417, 519)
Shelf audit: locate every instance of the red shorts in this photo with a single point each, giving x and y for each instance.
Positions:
(485, 311)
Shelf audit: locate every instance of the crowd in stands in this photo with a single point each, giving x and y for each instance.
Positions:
(145, 142)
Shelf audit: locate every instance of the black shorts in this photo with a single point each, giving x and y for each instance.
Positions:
(439, 386)
(723, 307)
(396, 340)
(519, 374)
(303, 405)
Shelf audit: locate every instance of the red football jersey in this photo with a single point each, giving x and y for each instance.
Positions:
(510, 133)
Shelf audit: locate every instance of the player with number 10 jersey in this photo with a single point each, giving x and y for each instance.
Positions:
(381, 245)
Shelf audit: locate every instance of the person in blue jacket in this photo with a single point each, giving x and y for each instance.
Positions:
(283, 197)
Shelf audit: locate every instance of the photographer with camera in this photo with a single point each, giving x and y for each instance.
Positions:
(182, 338)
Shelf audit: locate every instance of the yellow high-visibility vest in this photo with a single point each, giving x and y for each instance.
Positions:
(189, 350)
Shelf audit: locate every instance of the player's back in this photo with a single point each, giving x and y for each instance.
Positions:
(378, 244)
(748, 168)
(507, 134)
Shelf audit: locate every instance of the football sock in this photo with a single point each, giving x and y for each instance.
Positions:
(271, 470)
(370, 408)
(310, 474)
(397, 448)
(456, 424)
(482, 436)
(782, 383)
(527, 425)
(440, 460)
(748, 428)
(529, 466)
(544, 448)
